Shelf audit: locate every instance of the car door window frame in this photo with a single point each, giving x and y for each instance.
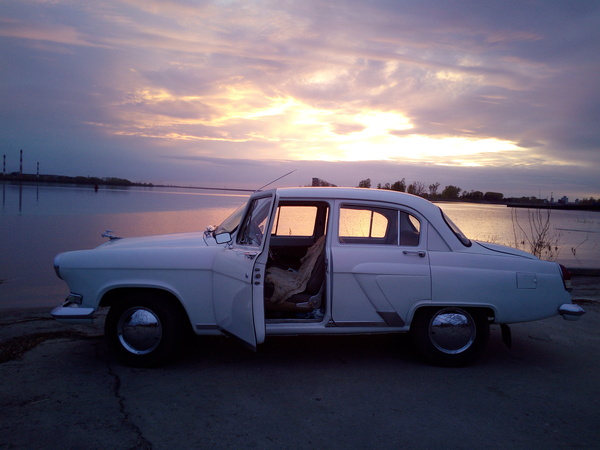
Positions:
(389, 239)
(254, 229)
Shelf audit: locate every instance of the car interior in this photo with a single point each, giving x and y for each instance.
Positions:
(296, 267)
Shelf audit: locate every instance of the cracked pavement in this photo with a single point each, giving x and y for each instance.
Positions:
(301, 392)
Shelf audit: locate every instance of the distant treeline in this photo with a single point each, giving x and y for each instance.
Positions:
(454, 193)
(63, 179)
(430, 192)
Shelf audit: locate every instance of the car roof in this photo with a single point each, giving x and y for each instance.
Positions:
(422, 206)
(343, 193)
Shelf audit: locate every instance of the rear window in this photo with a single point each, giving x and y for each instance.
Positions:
(459, 234)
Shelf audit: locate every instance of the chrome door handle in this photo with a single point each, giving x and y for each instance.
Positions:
(419, 253)
(250, 255)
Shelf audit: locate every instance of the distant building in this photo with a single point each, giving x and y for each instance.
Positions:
(319, 182)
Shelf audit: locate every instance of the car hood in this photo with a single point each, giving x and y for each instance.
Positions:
(169, 251)
(188, 240)
(505, 249)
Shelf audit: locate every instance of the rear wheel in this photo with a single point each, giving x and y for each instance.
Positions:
(144, 330)
(451, 336)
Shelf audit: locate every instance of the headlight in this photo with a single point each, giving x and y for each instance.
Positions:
(57, 265)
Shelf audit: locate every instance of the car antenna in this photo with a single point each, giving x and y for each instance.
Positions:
(276, 179)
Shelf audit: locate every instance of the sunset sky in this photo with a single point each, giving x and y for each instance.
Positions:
(485, 95)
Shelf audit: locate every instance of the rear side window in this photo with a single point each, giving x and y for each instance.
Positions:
(410, 230)
(364, 225)
(382, 226)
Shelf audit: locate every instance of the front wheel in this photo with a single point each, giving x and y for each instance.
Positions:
(144, 330)
(451, 336)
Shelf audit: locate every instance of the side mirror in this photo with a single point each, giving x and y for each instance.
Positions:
(223, 238)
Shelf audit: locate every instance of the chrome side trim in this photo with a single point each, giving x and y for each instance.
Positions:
(357, 324)
(392, 319)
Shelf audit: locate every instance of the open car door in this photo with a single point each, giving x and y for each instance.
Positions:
(239, 273)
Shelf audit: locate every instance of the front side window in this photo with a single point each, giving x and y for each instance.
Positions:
(254, 226)
(295, 221)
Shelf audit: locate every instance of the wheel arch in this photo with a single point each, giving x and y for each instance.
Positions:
(487, 309)
(110, 297)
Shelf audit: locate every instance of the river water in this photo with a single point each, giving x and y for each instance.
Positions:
(39, 221)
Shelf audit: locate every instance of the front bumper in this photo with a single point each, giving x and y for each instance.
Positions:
(70, 313)
(569, 311)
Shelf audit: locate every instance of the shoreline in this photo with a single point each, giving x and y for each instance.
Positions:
(95, 182)
(559, 207)
(584, 271)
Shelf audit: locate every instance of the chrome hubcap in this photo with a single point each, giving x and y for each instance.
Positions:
(139, 330)
(452, 330)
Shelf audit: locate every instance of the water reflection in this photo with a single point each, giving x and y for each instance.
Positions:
(18, 187)
(60, 200)
(37, 222)
(575, 234)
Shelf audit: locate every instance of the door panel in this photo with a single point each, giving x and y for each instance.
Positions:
(238, 278)
(380, 266)
(233, 295)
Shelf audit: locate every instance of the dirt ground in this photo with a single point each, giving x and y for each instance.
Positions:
(61, 389)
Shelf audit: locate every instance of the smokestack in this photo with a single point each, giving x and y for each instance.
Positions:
(21, 164)
(4, 166)
(38, 169)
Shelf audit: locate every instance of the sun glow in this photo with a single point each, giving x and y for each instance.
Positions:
(242, 114)
(448, 150)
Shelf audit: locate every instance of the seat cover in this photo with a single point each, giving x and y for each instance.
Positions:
(287, 283)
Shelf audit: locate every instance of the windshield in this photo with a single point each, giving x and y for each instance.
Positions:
(459, 234)
(230, 224)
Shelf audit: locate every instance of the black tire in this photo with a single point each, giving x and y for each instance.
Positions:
(144, 330)
(450, 336)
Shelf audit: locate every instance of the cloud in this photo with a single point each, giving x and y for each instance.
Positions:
(437, 83)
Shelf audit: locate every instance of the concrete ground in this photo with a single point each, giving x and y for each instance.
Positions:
(61, 389)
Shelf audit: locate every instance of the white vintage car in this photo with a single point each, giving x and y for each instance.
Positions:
(312, 261)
